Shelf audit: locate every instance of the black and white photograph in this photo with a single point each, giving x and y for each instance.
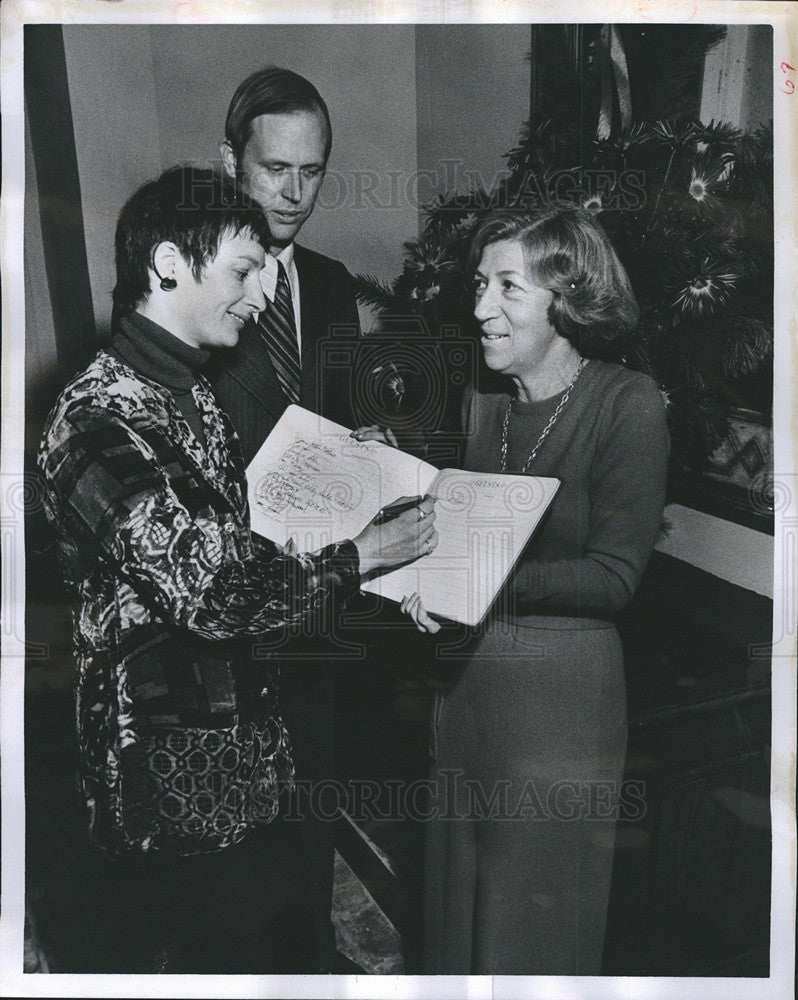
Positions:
(399, 499)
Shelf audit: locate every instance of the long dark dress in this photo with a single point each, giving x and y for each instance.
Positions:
(529, 745)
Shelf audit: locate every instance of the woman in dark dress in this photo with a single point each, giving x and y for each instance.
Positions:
(529, 744)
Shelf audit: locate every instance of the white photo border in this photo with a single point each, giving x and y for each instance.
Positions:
(784, 19)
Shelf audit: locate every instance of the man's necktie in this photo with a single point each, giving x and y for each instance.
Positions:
(279, 330)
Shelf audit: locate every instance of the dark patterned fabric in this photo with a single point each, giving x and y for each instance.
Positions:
(181, 745)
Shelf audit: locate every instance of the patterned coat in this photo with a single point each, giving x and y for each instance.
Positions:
(180, 741)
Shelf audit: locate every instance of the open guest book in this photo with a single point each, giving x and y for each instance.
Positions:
(314, 483)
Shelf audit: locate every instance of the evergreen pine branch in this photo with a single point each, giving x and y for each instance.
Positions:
(748, 345)
(672, 97)
(372, 291)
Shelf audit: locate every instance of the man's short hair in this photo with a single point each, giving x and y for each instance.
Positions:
(189, 207)
(567, 251)
(271, 91)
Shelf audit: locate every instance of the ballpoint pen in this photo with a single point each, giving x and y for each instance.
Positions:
(395, 509)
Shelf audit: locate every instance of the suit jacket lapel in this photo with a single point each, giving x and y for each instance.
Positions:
(250, 365)
(312, 314)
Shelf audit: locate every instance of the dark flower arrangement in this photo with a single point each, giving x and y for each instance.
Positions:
(689, 209)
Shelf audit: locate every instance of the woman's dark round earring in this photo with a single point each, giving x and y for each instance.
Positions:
(167, 284)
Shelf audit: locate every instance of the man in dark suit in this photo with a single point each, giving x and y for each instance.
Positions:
(277, 141)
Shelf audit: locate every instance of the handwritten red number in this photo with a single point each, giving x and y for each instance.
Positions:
(789, 86)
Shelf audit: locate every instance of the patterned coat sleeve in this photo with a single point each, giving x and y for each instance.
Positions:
(113, 499)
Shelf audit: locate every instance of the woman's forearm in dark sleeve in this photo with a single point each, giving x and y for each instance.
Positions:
(627, 495)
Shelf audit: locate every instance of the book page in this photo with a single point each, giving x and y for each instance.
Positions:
(314, 483)
(484, 521)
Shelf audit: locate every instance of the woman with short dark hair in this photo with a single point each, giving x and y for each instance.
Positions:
(182, 752)
(529, 743)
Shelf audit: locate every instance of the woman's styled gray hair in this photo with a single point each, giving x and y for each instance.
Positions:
(567, 252)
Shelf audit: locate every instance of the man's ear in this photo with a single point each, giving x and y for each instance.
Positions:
(228, 158)
(165, 259)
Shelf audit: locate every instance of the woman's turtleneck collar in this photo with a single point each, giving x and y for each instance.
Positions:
(157, 354)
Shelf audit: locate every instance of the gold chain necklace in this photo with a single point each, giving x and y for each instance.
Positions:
(546, 429)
